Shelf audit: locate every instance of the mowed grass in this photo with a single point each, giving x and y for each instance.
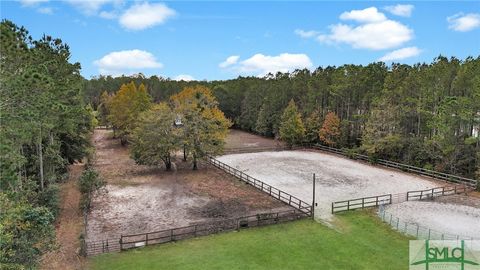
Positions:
(361, 241)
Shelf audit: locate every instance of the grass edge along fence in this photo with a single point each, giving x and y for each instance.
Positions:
(130, 241)
(404, 167)
(415, 230)
(380, 200)
(203, 229)
(262, 186)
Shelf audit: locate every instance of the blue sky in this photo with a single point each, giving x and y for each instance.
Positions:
(221, 40)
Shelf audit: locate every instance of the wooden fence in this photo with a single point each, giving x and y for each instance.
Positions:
(165, 236)
(375, 201)
(472, 183)
(253, 149)
(272, 191)
(360, 203)
(436, 192)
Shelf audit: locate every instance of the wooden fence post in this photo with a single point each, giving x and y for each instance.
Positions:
(121, 242)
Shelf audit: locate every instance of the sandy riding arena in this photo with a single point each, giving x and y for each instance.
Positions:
(140, 199)
(337, 178)
(444, 216)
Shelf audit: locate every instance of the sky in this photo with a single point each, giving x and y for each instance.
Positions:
(224, 39)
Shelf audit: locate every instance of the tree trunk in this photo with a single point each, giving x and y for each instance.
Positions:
(184, 152)
(168, 163)
(40, 159)
(195, 161)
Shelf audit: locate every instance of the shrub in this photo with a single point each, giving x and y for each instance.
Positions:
(26, 232)
(50, 198)
(89, 183)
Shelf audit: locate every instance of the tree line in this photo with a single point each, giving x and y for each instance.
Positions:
(45, 126)
(426, 114)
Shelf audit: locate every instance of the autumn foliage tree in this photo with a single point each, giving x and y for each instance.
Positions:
(313, 123)
(204, 126)
(291, 129)
(330, 133)
(126, 106)
(156, 137)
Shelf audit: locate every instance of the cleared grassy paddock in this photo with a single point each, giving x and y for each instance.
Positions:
(360, 241)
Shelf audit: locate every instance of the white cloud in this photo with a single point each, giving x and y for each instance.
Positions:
(374, 36)
(231, 60)
(401, 54)
(306, 34)
(45, 10)
(370, 14)
(126, 62)
(91, 7)
(400, 10)
(374, 31)
(108, 15)
(261, 65)
(184, 77)
(145, 15)
(463, 23)
(29, 3)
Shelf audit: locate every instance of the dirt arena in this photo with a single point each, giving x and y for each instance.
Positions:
(140, 198)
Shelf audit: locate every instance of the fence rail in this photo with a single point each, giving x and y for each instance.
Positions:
(360, 203)
(169, 235)
(415, 230)
(436, 192)
(425, 172)
(272, 191)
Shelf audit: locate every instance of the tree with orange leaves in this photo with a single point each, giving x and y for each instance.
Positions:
(204, 124)
(330, 131)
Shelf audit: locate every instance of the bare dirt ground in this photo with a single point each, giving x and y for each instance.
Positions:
(241, 139)
(140, 198)
(68, 227)
(458, 217)
(337, 178)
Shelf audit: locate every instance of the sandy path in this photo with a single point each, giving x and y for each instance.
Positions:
(68, 227)
(337, 178)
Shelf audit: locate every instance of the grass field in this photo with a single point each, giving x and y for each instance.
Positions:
(360, 242)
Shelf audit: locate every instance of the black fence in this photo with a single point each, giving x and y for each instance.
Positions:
(176, 234)
(436, 192)
(92, 248)
(272, 191)
(472, 183)
(360, 203)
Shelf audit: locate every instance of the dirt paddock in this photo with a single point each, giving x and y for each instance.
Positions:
(140, 199)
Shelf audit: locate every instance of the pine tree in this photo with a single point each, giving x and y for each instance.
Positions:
(291, 129)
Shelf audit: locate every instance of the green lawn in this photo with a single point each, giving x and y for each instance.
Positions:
(362, 242)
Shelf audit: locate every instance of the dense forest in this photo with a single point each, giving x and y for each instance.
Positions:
(426, 115)
(45, 126)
